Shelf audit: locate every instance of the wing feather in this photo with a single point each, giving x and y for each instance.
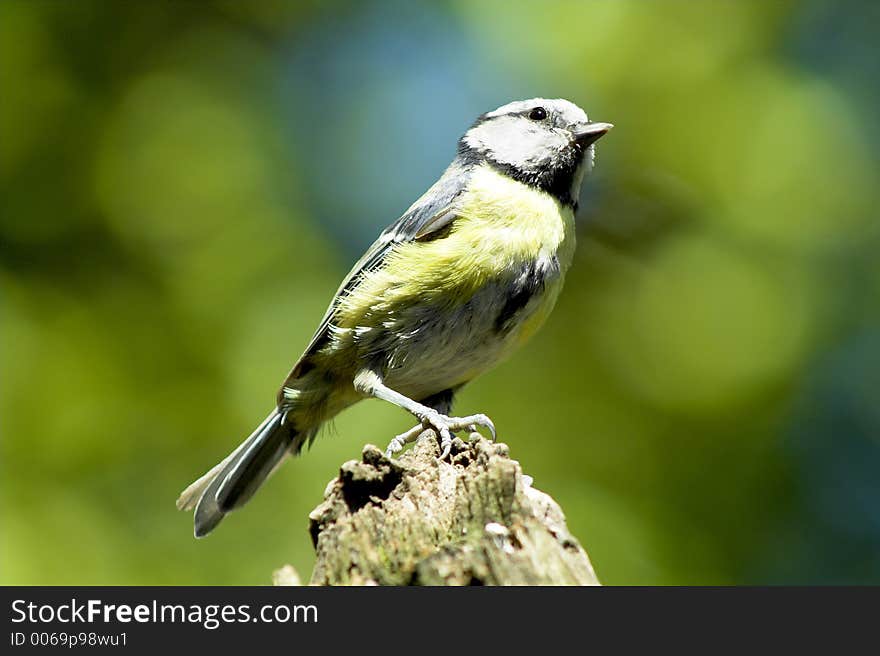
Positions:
(432, 212)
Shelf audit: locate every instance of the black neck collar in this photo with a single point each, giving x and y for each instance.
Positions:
(556, 181)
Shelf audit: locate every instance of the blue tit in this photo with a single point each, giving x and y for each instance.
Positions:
(467, 274)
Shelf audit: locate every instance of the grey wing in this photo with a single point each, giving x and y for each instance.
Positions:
(429, 214)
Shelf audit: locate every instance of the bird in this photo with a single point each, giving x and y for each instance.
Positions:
(462, 279)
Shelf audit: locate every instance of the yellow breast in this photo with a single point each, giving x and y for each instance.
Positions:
(501, 224)
(514, 221)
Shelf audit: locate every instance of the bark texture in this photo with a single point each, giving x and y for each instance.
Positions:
(476, 520)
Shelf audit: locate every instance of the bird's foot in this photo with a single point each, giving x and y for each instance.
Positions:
(396, 445)
(445, 427)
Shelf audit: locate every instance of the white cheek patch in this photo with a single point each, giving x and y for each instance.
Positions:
(515, 141)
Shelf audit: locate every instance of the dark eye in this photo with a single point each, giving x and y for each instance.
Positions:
(538, 114)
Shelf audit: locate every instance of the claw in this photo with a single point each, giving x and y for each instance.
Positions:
(473, 421)
(445, 427)
(396, 445)
(445, 445)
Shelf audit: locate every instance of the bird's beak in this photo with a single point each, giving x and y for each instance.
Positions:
(589, 133)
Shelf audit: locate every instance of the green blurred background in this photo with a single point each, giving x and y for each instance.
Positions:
(185, 183)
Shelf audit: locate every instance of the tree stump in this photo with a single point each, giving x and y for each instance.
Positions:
(476, 520)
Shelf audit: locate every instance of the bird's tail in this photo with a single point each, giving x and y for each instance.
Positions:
(232, 482)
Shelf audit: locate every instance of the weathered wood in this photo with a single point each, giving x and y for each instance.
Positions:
(476, 520)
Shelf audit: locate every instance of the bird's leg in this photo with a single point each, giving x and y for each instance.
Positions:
(441, 402)
(369, 383)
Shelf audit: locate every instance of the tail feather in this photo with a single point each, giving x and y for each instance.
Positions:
(244, 475)
(191, 495)
(232, 482)
(208, 514)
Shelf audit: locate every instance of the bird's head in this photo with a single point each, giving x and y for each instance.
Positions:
(544, 143)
